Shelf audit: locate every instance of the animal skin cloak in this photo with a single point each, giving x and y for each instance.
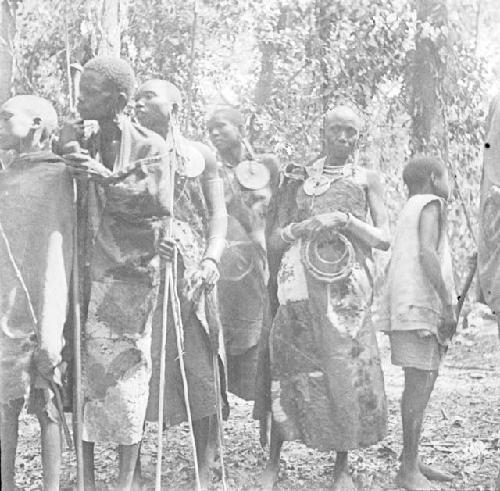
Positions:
(36, 213)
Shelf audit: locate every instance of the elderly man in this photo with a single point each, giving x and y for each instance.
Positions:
(126, 186)
(35, 264)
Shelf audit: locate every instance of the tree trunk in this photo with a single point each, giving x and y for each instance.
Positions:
(324, 27)
(265, 84)
(109, 26)
(7, 32)
(427, 77)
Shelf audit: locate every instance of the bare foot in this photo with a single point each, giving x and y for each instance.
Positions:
(434, 473)
(413, 481)
(343, 482)
(204, 473)
(269, 477)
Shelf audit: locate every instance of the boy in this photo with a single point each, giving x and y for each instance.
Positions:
(419, 305)
(35, 266)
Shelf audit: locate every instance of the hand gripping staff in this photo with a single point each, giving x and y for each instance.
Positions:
(170, 292)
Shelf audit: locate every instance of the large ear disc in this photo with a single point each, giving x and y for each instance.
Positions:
(193, 163)
(252, 174)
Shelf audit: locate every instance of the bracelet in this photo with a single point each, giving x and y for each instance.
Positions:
(348, 221)
(209, 258)
(286, 234)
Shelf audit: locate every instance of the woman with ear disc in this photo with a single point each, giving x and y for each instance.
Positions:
(326, 386)
(248, 182)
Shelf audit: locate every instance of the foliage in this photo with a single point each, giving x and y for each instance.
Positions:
(284, 64)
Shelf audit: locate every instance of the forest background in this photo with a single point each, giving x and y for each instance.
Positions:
(420, 71)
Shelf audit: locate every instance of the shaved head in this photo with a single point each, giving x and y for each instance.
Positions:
(344, 115)
(163, 87)
(156, 102)
(34, 107)
(27, 122)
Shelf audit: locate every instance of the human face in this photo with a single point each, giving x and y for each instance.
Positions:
(153, 107)
(16, 123)
(341, 138)
(441, 185)
(97, 99)
(223, 133)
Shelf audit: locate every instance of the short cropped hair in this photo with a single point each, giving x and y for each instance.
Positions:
(117, 71)
(418, 171)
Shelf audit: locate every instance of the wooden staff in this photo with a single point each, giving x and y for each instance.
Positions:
(161, 390)
(179, 335)
(54, 387)
(170, 293)
(73, 72)
(77, 353)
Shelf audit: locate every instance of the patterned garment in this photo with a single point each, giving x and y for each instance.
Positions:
(326, 386)
(124, 225)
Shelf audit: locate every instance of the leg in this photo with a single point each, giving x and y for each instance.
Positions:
(88, 466)
(342, 478)
(9, 422)
(213, 439)
(51, 450)
(128, 459)
(264, 430)
(416, 394)
(271, 471)
(201, 430)
(137, 479)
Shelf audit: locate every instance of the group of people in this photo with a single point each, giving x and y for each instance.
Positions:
(197, 272)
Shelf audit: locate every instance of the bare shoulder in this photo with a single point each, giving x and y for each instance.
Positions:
(146, 142)
(374, 181)
(270, 160)
(432, 210)
(373, 178)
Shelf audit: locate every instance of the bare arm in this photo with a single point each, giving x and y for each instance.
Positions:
(429, 234)
(214, 195)
(375, 235)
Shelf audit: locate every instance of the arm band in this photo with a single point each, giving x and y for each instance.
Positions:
(286, 234)
(217, 224)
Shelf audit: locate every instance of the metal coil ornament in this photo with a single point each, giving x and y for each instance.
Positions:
(325, 270)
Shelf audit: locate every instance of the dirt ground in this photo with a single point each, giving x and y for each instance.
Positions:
(461, 434)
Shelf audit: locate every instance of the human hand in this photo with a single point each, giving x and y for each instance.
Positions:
(167, 250)
(450, 321)
(82, 166)
(73, 133)
(43, 364)
(207, 274)
(319, 223)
